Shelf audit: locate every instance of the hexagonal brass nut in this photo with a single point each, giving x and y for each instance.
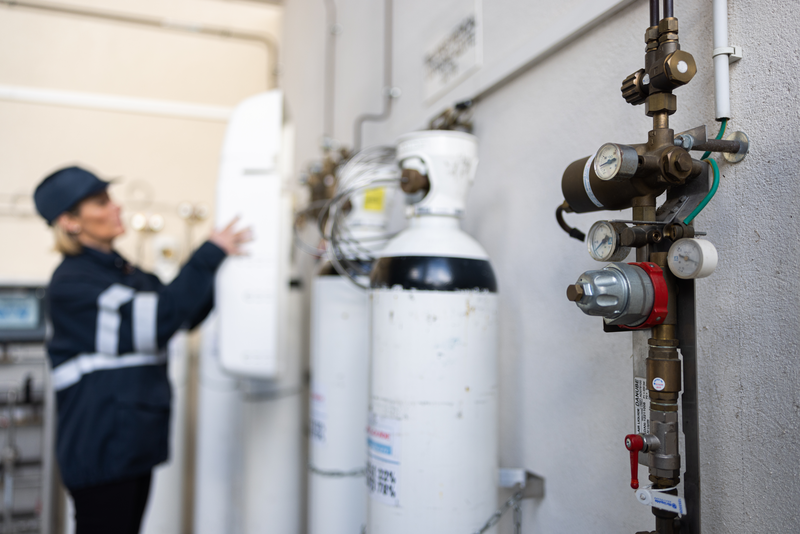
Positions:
(677, 165)
(658, 102)
(680, 67)
(669, 36)
(668, 25)
(651, 34)
(575, 292)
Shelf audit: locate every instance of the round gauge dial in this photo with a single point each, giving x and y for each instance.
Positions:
(607, 161)
(615, 162)
(603, 242)
(692, 258)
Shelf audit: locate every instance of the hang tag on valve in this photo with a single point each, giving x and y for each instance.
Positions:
(661, 500)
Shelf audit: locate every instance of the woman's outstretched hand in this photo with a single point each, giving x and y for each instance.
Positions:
(230, 240)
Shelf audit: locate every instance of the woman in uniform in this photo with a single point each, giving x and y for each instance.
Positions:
(111, 325)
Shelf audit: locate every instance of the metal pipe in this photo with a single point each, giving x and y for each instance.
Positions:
(330, 72)
(668, 9)
(687, 334)
(719, 145)
(124, 104)
(654, 13)
(10, 457)
(189, 27)
(390, 92)
(722, 80)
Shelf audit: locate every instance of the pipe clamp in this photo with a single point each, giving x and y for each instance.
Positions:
(734, 53)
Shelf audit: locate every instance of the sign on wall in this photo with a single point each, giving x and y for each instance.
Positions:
(456, 55)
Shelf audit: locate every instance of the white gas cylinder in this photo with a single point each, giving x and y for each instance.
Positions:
(432, 434)
(340, 358)
(339, 398)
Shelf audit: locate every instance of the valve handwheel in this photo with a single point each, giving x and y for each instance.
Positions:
(635, 444)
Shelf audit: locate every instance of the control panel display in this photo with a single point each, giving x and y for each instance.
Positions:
(18, 312)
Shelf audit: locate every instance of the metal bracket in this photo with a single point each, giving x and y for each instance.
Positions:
(734, 53)
(531, 484)
(670, 209)
(698, 135)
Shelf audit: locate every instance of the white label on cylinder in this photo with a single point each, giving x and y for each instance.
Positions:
(383, 466)
(641, 405)
(319, 414)
(658, 384)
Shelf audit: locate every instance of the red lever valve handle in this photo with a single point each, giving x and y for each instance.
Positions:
(634, 443)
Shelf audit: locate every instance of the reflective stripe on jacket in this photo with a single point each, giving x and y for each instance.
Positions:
(111, 325)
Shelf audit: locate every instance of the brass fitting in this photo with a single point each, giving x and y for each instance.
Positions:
(680, 68)
(677, 165)
(412, 181)
(658, 102)
(678, 230)
(667, 37)
(651, 38)
(663, 374)
(575, 292)
(667, 25)
(633, 90)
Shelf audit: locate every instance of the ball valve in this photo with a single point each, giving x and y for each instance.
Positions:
(636, 443)
(629, 295)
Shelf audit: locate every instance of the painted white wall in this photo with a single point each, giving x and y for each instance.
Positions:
(161, 161)
(171, 160)
(565, 386)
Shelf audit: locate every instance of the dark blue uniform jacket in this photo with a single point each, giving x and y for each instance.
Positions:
(111, 325)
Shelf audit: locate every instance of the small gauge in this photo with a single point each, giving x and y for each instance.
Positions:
(615, 162)
(603, 241)
(692, 258)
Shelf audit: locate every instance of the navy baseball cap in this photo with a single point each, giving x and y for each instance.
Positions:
(63, 189)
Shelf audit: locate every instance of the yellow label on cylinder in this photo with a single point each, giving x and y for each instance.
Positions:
(373, 199)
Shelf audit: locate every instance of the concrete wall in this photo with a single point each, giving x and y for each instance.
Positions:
(566, 387)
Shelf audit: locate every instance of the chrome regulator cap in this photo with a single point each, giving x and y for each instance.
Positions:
(620, 293)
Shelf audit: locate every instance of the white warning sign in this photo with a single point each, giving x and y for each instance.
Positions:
(454, 56)
(383, 465)
(641, 405)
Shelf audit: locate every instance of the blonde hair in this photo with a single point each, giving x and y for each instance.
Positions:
(66, 243)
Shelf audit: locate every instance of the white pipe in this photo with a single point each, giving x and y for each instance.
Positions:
(722, 80)
(166, 108)
(219, 431)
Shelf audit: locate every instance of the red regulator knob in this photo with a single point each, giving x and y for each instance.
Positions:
(634, 443)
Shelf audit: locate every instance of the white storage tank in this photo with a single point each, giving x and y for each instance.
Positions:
(432, 434)
(340, 350)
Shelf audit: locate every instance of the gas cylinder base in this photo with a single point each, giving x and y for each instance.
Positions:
(432, 435)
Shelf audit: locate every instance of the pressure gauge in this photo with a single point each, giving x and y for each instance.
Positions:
(692, 258)
(603, 241)
(615, 162)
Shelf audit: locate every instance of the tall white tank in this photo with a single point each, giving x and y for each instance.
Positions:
(432, 434)
(340, 363)
(218, 456)
(250, 450)
(339, 396)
